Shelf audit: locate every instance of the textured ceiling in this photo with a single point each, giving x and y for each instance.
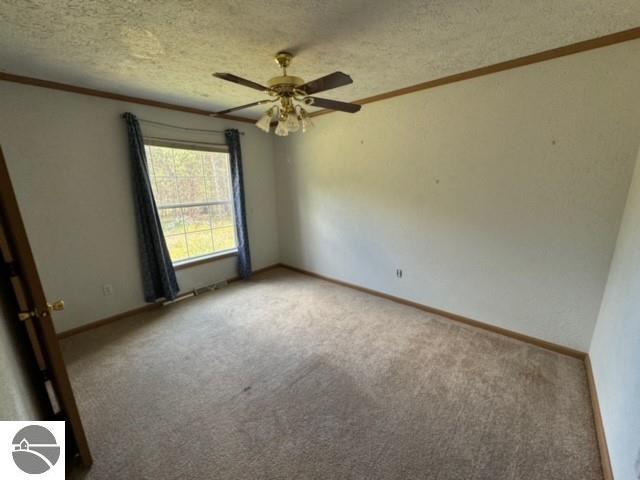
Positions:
(166, 50)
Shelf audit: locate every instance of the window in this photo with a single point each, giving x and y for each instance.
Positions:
(192, 188)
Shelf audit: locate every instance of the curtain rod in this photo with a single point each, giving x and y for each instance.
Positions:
(183, 142)
(182, 128)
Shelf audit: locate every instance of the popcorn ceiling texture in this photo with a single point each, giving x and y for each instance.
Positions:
(167, 50)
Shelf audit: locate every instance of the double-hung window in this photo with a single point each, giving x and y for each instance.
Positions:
(192, 189)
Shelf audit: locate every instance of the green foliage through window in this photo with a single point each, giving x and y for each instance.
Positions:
(192, 189)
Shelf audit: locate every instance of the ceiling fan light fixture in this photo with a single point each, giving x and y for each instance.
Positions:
(291, 94)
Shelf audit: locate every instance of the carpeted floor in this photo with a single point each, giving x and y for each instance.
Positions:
(290, 377)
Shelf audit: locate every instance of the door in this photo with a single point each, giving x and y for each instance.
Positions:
(35, 314)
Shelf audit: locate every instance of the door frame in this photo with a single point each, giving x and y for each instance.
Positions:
(35, 313)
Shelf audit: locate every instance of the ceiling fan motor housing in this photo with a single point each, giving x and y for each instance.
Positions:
(285, 83)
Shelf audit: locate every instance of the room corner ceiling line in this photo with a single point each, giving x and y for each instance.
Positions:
(9, 77)
(579, 47)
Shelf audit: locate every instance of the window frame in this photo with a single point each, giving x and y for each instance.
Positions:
(203, 147)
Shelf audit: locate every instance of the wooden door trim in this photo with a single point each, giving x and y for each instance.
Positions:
(43, 325)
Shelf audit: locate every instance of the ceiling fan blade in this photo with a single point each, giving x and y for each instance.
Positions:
(229, 77)
(333, 80)
(335, 105)
(248, 105)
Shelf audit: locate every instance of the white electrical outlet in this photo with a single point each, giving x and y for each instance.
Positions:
(107, 289)
(399, 272)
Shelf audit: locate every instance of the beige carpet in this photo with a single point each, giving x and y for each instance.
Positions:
(290, 377)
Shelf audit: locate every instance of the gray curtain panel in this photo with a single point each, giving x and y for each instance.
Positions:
(158, 275)
(232, 137)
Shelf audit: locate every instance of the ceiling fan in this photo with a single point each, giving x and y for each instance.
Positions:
(290, 93)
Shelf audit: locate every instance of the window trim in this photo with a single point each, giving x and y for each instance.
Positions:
(186, 144)
(192, 262)
(203, 147)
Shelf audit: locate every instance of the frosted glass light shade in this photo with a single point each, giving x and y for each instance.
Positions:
(265, 121)
(305, 120)
(307, 124)
(292, 122)
(281, 129)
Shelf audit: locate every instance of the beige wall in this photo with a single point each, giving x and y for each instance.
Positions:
(500, 197)
(615, 348)
(68, 158)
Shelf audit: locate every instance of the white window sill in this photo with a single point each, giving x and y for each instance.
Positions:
(204, 259)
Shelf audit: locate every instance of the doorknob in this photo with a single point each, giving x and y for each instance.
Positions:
(58, 305)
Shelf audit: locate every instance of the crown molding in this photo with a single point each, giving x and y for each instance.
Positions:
(9, 77)
(578, 47)
(583, 46)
